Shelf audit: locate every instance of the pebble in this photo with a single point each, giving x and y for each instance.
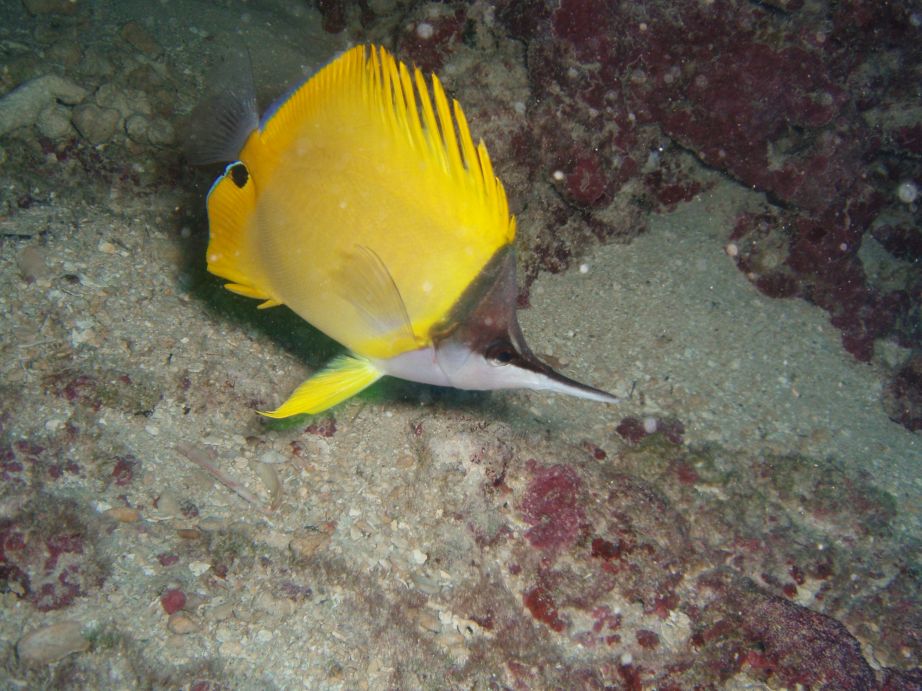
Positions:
(31, 263)
(22, 106)
(272, 457)
(53, 642)
(173, 600)
(182, 624)
(308, 542)
(144, 130)
(126, 101)
(428, 621)
(168, 505)
(264, 636)
(231, 649)
(222, 612)
(198, 567)
(96, 125)
(54, 122)
(35, 7)
(212, 523)
(270, 479)
(64, 52)
(276, 607)
(124, 514)
(907, 192)
(140, 38)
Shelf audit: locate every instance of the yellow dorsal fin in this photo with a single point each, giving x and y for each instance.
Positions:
(425, 128)
(342, 378)
(230, 206)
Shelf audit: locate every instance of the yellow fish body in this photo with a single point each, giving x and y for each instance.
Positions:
(362, 203)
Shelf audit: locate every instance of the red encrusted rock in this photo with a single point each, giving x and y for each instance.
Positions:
(903, 242)
(334, 15)
(48, 556)
(770, 637)
(902, 398)
(631, 429)
(586, 183)
(806, 648)
(900, 639)
(173, 600)
(430, 36)
(603, 549)
(322, 428)
(123, 472)
(551, 505)
(167, 559)
(647, 639)
(788, 255)
(541, 605)
(771, 97)
(638, 532)
(902, 680)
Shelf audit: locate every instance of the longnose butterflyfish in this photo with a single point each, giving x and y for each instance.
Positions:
(361, 202)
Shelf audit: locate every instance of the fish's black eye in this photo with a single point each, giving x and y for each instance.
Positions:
(500, 353)
(239, 174)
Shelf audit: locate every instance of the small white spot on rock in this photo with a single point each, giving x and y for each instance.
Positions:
(264, 636)
(907, 192)
(425, 30)
(198, 567)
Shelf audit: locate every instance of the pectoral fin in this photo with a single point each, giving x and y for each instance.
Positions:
(342, 378)
(365, 282)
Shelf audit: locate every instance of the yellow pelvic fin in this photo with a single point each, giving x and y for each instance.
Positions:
(230, 205)
(342, 378)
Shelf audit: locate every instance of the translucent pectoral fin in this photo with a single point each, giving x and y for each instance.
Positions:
(365, 282)
(342, 378)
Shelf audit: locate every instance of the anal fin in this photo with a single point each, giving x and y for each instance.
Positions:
(342, 378)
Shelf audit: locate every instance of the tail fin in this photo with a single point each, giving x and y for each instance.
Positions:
(218, 127)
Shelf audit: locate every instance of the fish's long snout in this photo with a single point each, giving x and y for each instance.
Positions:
(550, 379)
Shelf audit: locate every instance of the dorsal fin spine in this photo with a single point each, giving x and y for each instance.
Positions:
(432, 128)
(470, 155)
(447, 127)
(415, 127)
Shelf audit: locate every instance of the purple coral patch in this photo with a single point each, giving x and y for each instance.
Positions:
(552, 507)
